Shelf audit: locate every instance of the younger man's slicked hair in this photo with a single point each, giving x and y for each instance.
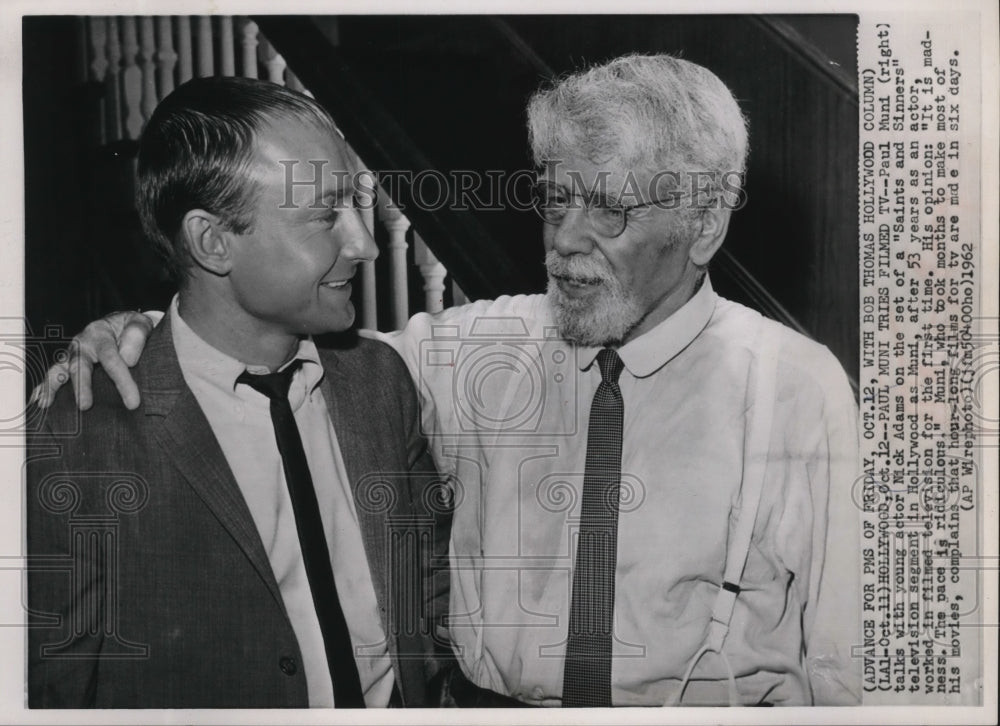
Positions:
(197, 151)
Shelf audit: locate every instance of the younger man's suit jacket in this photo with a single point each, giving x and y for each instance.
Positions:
(149, 585)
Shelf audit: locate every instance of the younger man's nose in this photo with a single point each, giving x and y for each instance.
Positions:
(358, 243)
(361, 245)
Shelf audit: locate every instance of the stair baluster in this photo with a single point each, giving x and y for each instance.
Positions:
(147, 51)
(185, 58)
(113, 97)
(166, 56)
(227, 54)
(206, 63)
(273, 62)
(248, 48)
(396, 225)
(131, 78)
(369, 294)
(433, 273)
(98, 31)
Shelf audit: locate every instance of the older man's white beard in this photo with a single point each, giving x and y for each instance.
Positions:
(604, 318)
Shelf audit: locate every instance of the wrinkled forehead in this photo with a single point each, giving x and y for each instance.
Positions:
(600, 139)
(613, 179)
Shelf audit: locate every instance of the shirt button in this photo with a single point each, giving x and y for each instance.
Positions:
(288, 666)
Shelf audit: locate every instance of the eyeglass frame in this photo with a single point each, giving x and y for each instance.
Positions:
(587, 206)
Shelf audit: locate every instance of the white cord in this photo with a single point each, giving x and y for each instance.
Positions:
(755, 449)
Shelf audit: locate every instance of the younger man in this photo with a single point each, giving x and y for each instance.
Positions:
(244, 537)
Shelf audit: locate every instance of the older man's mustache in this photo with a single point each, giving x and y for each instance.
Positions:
(579, 269)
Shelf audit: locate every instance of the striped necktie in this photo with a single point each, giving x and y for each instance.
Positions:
(587, 678)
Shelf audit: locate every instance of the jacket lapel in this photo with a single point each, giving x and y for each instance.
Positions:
(351, 413)
(190, 444)
(351, 416)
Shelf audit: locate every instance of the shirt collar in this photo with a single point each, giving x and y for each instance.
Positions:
(203, 361)
(646, 354)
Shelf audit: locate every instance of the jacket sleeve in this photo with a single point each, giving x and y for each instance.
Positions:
(434, 496)
(431, 496)
(66, 580)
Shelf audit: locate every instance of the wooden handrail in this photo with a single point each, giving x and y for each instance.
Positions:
(797, 45)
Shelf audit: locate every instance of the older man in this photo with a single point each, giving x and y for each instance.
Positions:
(652, 484)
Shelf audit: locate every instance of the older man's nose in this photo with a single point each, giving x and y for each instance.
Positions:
(574, 234)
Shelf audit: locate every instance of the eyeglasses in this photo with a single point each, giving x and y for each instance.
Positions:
(553, 202)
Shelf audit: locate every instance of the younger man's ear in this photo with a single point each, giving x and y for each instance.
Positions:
(208, 241)
(714, 225)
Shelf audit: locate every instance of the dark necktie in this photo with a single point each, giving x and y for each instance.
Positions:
(315, 550)
(587, 679)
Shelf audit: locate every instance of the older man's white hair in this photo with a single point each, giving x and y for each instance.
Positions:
(649, 112)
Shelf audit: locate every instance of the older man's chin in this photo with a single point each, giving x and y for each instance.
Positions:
(602, 319)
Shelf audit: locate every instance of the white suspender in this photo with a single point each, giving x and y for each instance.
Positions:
(755, 448)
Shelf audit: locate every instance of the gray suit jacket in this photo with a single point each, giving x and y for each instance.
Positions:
(148, 583)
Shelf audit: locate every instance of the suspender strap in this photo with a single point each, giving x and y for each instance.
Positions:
(755, 448)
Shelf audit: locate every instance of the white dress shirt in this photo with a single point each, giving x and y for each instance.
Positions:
(241, 421)
(506, 404)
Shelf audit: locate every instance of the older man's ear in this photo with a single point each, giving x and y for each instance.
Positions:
(714, 225)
